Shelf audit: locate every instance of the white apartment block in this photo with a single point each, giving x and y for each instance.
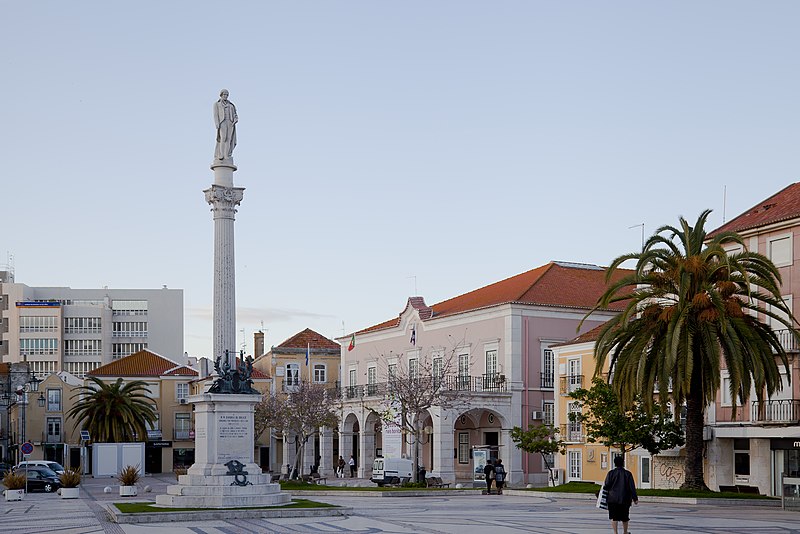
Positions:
(77, 330)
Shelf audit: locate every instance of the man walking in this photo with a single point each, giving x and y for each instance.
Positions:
(621, 492)
(352, 464)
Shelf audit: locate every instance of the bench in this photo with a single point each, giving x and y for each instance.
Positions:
(436, 482)
(275, 478)
(748, 489)
(317, 479)
(728, 489)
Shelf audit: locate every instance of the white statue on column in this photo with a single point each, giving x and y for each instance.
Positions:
(225, 119)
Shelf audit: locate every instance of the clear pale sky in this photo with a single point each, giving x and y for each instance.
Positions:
(457, 142)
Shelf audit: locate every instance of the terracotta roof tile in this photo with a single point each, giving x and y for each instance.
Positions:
(142, 363)
(562, 284)
(782, 206)
(181, 371)
(308, 337)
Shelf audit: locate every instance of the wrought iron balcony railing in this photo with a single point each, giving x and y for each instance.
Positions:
(546, 380)
(776, 411)
(569, 383)
(487, 383)
(572, 433)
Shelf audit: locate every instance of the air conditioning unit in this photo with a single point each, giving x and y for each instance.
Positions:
(557, 476)
(184, 401)
(708, 433)
(537, 415)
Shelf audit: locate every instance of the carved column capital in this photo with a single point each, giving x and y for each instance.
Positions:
(224, 200)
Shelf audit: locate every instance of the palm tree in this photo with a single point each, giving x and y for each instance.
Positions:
(690, 305)
(114, 412)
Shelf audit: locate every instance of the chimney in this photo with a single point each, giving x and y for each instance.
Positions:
(258, 344)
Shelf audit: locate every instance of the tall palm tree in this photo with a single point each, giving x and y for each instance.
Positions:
(690, 306)
(114, 412)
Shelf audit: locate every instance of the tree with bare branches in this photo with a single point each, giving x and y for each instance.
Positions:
(298, 415)
(413, 388)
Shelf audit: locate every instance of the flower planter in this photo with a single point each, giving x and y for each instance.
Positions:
(70, 493)
(128, 491)
(14, 494)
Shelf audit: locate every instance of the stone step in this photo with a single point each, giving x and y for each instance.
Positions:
(191, 501)
(221, 480)
(261, 489)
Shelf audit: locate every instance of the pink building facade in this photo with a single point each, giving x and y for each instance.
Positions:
(493, 345)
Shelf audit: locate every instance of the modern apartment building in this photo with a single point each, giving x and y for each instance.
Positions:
(498, 339)
(77, 330)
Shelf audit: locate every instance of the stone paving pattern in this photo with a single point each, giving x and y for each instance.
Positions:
(48, 513)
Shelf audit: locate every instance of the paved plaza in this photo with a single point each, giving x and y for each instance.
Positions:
(48, 513)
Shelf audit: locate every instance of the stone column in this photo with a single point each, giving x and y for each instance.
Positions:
(326, 468)
(224, 198)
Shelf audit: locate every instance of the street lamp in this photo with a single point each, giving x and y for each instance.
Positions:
(32, 384)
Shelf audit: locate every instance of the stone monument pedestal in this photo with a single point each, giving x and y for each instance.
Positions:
(224, 474)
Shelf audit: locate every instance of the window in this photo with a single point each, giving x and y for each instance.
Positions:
(491, 362)
(38, 324)
(292, 374)
(463, 447)
(80, 369)
(413, 368)
(183, 426)
(53, 400)
(129, 329)
(575, 465)
(129, 307)
(182, 390)
(603, 460)
(120, 350)
(575, 379)
(574, 427)
(320, 373)
(463, 371)
(38, 346)
(372, 381)
(82, 325)
(780, 250)
(53, 429)
(645, 471)
(42, 369)
(549, 409)
(392, 368)
(83, 347)
(741, 457)
(548, 369)
(353, 378)
(775, 323)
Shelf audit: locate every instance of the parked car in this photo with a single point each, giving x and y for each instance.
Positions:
(53, 466)
(41, 478)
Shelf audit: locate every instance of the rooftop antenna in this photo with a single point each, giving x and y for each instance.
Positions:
(724, 201)
(637, 226)
(344, 333)
(244, 339)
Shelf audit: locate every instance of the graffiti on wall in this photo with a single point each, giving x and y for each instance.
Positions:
(670, 472)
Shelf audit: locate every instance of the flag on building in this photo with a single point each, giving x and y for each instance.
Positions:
(414, 335)
(352, 343)
(308, 353)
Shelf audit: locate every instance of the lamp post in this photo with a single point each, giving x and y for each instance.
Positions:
(31, 384)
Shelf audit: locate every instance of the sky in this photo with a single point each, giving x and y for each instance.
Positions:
(387, 148)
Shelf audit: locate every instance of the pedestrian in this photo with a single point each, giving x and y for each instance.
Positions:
(499, 475)
(621, 493)
(340, 468)
(488, 473)
(352, 463)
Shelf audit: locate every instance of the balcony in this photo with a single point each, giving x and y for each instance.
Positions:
(776, 411)
(787, 340)
(572, 433)
(290, 385)
(488, 383)
(183, 435)
(546, 380)
(568, 384)
(54, 438)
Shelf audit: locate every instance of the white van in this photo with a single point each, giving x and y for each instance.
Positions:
(55, 466)
(391, 471)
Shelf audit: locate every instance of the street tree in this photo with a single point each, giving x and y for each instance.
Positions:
(115, 412)
(298, 414)
(413, 388)
(605, 421)
(689, 305)
(541, 439)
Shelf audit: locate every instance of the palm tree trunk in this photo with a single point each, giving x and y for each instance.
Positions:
(695, 417)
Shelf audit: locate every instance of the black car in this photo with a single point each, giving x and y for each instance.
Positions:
(41, 479)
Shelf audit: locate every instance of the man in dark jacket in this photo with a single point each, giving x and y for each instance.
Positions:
(621, 493)
(488, 473)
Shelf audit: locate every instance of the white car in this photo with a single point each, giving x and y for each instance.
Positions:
(55, 466)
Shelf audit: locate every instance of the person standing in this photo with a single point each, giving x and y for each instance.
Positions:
(488, 473)
(621, 492)
(499, 475)
(352, 463)
(340, 468)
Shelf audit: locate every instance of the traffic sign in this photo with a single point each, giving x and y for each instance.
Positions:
(27, 447)
(85, 435)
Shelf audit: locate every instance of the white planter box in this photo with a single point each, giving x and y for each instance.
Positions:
(128, 491)
(14, 495)
(70, 493)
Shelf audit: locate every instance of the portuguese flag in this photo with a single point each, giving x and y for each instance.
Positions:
(352, 343)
